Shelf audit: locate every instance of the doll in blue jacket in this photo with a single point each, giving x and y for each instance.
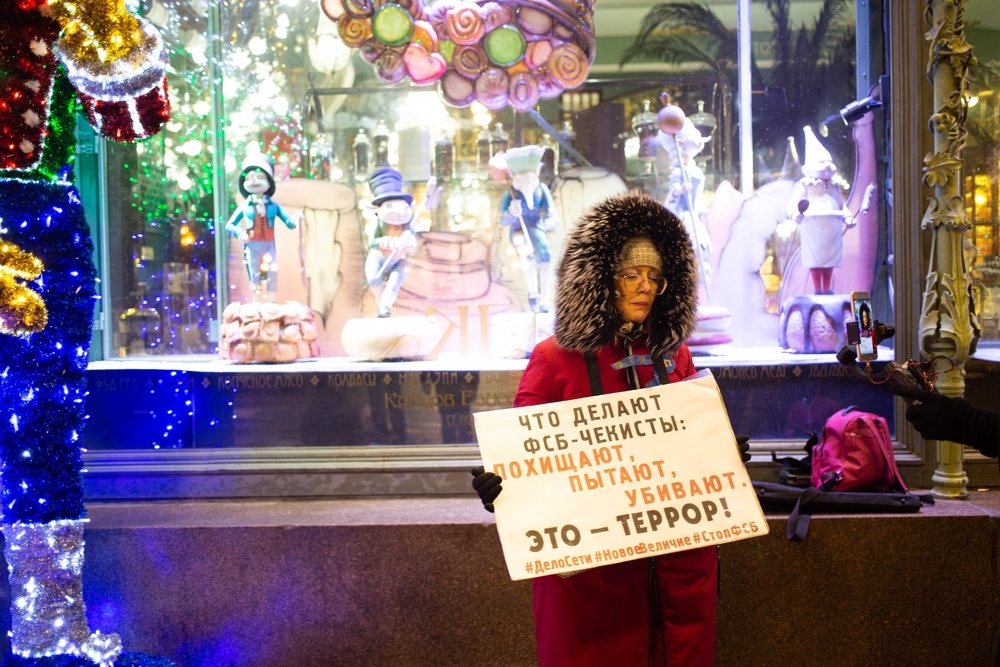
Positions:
(253, 223)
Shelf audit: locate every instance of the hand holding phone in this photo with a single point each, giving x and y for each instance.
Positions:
(908, 378)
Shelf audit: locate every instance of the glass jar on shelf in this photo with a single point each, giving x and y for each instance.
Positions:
(567, 134)
(704, 121)
(499, 139)
(645, 127)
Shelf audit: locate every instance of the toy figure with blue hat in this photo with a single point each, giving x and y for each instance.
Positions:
(253, 223)
(393, 242)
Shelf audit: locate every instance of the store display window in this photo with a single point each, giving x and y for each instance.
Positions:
(279, 83)
(981, 174)
(317, 196)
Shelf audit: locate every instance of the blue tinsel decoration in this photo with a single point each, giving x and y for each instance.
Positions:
(123, 660)
(43, 375)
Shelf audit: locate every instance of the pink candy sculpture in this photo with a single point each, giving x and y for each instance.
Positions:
(510, 53)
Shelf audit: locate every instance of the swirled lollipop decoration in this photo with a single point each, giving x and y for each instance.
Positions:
(22, 310)
(511, 53)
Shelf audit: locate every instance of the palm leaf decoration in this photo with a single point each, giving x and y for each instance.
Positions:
(804, 58)
(679, 32)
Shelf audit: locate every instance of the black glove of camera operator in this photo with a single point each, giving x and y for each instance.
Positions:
(940, 417)
(743, 442)
(487, 485)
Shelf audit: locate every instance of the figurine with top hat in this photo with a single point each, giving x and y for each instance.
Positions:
(528, 211)
(253, 223)
(393, 242)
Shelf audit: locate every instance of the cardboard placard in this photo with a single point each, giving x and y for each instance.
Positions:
(611, 478)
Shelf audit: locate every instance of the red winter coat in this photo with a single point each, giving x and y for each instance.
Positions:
(600, 617)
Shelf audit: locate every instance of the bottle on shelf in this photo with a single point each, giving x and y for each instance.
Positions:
(444, 158)
(567, 134)
(362, 155)
(483, 153)
(380, 144)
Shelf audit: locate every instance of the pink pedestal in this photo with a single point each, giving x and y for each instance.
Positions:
(265, 332)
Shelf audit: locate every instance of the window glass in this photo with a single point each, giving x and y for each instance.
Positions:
(786, 221)
(293, 95)
(160, 211)
(981, 171)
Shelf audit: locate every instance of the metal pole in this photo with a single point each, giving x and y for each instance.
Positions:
(220, 190)
(693, 217)
(746, 107)
(949, 326)
(565, 145)
(863, 49)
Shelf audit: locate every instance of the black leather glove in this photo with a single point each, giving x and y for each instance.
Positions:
(743, 442)
(487, 485)
(940, 417)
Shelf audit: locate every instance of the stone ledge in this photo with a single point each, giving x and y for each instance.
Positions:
(421, 581)
(396, 510)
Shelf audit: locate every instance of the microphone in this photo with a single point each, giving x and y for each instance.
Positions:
(851, 112)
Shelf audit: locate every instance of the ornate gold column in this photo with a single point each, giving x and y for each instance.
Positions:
(949, 326)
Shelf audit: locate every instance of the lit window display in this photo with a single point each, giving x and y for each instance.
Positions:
(323, 103)
(982, 173)
(158, 277)
(354, 185)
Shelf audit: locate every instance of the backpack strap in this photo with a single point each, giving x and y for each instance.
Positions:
(798, 520)
(890, 461)
(594, 372)
(660, 367)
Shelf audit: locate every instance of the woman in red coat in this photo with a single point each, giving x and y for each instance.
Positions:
(625, 302)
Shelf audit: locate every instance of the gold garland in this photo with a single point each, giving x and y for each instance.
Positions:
(96, 31)
(22, 310)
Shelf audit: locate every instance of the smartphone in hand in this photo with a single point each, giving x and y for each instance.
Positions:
(861, 307)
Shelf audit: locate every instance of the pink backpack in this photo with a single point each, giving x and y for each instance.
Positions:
(854, 453)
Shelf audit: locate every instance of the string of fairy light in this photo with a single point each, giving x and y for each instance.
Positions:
(170, 179)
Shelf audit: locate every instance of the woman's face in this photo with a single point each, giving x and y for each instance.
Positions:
(635, 289)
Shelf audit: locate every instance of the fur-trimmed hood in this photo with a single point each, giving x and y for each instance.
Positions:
(586, 315)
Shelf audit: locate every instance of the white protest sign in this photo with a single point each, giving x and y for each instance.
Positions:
(611, 478)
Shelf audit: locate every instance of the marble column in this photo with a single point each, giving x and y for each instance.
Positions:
(949, 326)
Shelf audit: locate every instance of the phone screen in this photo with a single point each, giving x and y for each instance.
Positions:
(866, 326)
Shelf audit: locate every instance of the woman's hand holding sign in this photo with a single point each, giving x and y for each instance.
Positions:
(487, 485)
